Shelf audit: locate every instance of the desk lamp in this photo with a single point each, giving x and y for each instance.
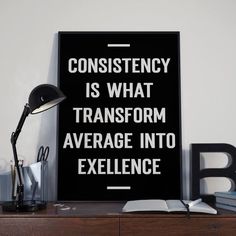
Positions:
(42, 98)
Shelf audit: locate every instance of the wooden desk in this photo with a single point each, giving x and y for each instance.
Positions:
(107, 219)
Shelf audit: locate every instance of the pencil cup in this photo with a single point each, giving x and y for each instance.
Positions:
(34, 179)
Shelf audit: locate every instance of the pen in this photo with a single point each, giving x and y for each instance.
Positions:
(195, 202)
(15, 184)
(13, 179)
(21, 170)
(34, 190)
(12, 173)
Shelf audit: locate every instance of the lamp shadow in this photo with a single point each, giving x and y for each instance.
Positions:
(48, 126)
(185, 174)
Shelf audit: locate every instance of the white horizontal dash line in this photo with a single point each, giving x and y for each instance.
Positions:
(126, 45)
(118, 187)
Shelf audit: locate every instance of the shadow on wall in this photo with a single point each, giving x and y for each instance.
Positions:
(185, 174)
(48, 127)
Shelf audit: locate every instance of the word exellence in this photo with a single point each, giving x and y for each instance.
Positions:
(116, 166)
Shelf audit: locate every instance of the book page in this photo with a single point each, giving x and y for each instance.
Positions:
(202, 207)
(145, 205)
(175, 205)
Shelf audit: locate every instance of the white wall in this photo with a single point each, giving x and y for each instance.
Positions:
(28, 57)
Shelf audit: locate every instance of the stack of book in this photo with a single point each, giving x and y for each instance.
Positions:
(226, 200)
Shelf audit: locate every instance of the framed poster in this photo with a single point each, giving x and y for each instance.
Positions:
(120, 126)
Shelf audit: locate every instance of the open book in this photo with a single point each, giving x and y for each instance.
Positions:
(167, 206)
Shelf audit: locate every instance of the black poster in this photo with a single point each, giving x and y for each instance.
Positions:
(119, 128)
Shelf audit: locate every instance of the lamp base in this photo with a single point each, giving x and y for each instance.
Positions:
(25, 206)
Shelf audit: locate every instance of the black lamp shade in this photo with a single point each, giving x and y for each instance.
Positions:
(44, 97)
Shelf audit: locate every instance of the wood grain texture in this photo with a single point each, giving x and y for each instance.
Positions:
(177, 226)
(59, 226)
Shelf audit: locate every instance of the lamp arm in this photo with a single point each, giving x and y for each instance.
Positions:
(21, 122)
(14, 137)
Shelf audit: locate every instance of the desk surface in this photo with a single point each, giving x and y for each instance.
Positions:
(106, 218)
(102, 209)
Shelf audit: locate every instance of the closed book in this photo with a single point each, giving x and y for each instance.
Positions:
(226, 207)
(230, 195)
(226, 201)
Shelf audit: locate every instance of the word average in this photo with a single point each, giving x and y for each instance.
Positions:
(118, 140)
